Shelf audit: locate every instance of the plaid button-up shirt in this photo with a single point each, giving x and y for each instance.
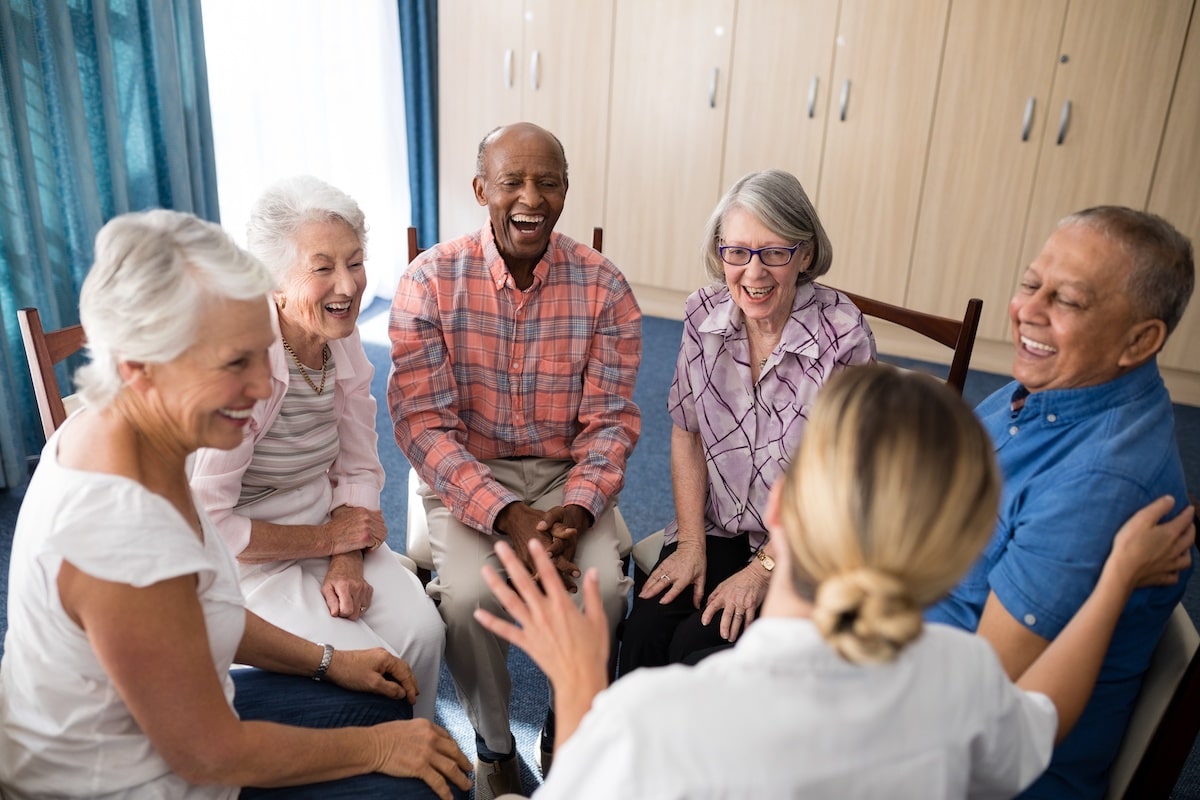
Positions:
(483, 370)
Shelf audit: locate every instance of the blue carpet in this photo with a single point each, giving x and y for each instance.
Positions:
(646, 504)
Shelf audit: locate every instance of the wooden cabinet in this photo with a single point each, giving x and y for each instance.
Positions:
(669, 98)
(1044, 108)
(1175, 195)
(840, 94)
(542, 61)
(941, 140)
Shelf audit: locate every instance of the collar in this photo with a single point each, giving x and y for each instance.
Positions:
(1068, 404)
(498, 270)
(726, 320)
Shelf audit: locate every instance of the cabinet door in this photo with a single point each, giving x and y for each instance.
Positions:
(1116, 70)
(779, 88)
(997, 71)
(670, 72)
(1175, 196)
(479, 87)
(568, 49)
(884, 82)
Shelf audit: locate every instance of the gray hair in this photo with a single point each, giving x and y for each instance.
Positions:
(777, 200)
(154, 276)
(287, 206)
(486, 142)
(1161, 273)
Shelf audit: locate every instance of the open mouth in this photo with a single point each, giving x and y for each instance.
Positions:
(338, 308)
(237, 414)
(758, 292)
(527, 223)
(1037, 347)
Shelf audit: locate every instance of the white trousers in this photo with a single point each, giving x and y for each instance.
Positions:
(401, 618)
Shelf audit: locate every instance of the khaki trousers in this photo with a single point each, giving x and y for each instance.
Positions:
(478, 660)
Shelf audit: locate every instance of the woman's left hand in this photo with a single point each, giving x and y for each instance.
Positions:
(375, 670)
(738, 598)
(345, 590)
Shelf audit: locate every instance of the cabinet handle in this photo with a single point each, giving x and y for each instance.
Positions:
(712, 89)
(812, 97)
(535, 61)
(508, 65)
(1063, 121)
(1028, 119)
(845, 98)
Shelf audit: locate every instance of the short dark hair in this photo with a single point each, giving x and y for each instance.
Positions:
(486, 142)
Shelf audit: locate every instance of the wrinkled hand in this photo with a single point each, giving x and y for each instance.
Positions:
(687, 566)
(737, 598)
(375, 670)
(1149, 554)
(346, 592)
(352, 528)
(524, 524)
(420, 749)
(565, 525)
(562, 640)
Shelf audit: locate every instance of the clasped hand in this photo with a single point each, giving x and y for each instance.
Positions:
(557, 530)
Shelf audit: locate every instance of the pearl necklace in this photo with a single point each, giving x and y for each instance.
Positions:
(304, 372)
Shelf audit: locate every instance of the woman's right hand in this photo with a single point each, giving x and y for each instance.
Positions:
(420, 749)
(685, 567)
(353, 528)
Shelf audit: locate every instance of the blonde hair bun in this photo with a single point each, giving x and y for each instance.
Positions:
(866, 615)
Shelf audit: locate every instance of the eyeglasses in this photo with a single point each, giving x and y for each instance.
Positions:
(737, 256)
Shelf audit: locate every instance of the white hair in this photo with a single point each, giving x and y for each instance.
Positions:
(287, 206)
(154, 274)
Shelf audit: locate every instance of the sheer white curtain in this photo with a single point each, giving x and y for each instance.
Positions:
(316, 87)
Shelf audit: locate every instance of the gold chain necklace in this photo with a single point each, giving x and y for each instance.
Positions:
(304, 372)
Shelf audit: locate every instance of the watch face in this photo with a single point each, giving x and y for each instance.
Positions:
(766, 560)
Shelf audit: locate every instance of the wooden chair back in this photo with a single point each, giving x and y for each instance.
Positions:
(45, 349)
(957, 334)
(414, 250)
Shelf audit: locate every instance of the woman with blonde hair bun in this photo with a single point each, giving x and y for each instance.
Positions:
(893, 499)
(840, 689)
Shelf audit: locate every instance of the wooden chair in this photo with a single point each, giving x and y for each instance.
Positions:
(957, 334)
(417, 531)
(44, 350)
(414, 250)
(1165, 721)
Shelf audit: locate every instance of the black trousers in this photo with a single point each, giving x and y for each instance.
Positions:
(655, 635)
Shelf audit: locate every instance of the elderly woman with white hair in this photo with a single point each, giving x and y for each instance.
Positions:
(297, 501)
(124, 609)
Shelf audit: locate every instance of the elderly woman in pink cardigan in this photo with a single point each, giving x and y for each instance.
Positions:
(298, 501)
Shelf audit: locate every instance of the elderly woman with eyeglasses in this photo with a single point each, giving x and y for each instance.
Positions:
(758, 344)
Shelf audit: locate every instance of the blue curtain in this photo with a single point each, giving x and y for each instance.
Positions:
(418, 46)
(104, 109)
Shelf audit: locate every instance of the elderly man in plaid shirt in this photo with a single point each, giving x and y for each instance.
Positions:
(514, 355)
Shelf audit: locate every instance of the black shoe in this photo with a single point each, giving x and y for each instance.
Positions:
(546, 744)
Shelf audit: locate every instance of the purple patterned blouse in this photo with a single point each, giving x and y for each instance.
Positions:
(750, 433)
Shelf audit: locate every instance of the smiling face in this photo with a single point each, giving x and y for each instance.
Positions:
(207, 393)
(764, 294)
(524, 187)
(1073, 323)
(320, 297)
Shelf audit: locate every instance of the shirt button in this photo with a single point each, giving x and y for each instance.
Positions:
(1030, 619)
(1051, 417)
(516, 366)
(1012, 431)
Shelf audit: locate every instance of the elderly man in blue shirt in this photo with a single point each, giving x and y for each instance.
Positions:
(1085, 436)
